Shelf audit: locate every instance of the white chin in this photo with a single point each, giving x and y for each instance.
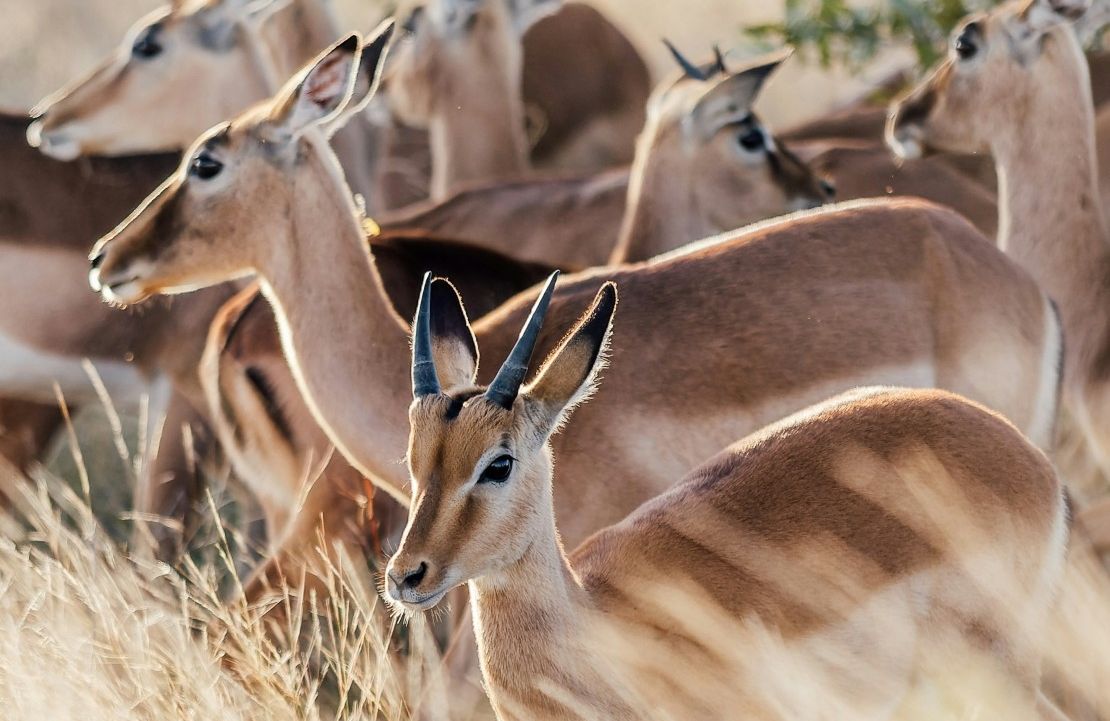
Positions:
(908, 148)
(64, 150)
(125, 293)
(420, 606)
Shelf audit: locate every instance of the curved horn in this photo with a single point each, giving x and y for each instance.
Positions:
(688, 67)
(506, 384)
(425, 382)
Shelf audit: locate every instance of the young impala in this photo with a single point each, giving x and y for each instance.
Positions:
(1016, 85)
(854, 485)
(705, 164)
(144, 97)
(779, 316)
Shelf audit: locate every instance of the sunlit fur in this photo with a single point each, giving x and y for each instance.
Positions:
(1025, 97)
(687, 181)
(137, 104)
(457, 67)
(822, 528)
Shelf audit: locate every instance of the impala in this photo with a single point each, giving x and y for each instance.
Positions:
(705, 164)
(1016, 85)
(263, 423)
(49, 213)
(240, 51)
(852, 485)
(901, 292)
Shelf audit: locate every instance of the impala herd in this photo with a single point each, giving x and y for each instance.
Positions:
(764, 412)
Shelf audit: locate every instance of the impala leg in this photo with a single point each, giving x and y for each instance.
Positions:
(171, 485)
(26, 428)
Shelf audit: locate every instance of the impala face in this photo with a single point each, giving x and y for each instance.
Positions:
(995, 61)
(479, 457)
(703, 135)
(233, 197)
(450, 51)
(177, 72)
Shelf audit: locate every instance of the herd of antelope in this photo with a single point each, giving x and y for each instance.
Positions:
(737, 395)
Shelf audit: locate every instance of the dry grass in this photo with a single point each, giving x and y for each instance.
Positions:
(90, 633)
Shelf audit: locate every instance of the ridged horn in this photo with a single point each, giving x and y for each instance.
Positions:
(425, 382)
(506, 384)
(688, 67)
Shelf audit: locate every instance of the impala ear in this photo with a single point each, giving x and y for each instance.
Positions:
(454, 348)
(527, 13)
(367, 76)
(319, 91)
(569, 374)
(731, 99)
(1040, 16)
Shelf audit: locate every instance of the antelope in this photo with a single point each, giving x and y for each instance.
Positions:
(852, 485)
(1011, 76)
(241, 51)
(930, 305)
(699, 170)
(269, 433)
(50, 212)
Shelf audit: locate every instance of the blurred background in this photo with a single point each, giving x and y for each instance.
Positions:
(45, 43)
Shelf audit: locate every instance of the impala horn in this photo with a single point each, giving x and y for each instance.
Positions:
(688, 67)
(719, 66)
(425, 382)
(506, 384)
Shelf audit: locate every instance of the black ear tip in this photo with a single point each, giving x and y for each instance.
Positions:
(350, 43)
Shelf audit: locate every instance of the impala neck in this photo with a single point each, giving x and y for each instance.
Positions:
(346, 346)
(1050, 220)
(661, 214)
(477, 137)
(528, 619)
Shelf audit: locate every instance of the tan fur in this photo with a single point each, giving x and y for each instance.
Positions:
(803, 304)
(683, 186)
(756, 530)
(1026, 98)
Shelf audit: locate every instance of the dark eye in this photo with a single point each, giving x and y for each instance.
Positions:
(965, 46)
(146, 45)
(497, 471)
(205, 166)
(752, 140)
(409, 26)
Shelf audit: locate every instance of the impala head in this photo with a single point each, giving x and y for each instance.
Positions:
(479, 457)
(230, 201)
(178, 71)
(997, 63)
(702, 134)
(457, 50)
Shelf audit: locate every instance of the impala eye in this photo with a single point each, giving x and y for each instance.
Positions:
(146, 45)
(753, 140)
(205, 166)
(497, 471)
(966, 46)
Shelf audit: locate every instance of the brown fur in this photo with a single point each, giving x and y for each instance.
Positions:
(929, 293)
(55, 211)
(838, 487)
(1025, 98)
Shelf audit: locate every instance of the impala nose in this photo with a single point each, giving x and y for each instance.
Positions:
(410, 579)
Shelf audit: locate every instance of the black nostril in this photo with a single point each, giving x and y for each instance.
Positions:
(96, 261)
(828, 189)
(413, 579)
